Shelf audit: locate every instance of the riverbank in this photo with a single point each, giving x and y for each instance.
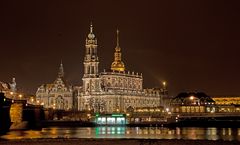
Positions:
(114, 142)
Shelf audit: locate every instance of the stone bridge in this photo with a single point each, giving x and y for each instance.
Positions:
(18, 114)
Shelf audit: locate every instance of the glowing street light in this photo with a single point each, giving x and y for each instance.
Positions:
(11, 93)
(167, 109)
(164, 84)
(20, 96)
(192, 97)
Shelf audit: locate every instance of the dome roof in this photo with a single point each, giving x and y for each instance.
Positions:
(187, 96)
(118, 66)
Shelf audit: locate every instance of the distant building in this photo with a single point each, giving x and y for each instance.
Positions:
(58, 95)
(9, 89)
(227, 103)
(227, 100)
(193, 103)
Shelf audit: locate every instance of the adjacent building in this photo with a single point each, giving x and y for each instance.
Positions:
(57, 95)
(9, 89)
(193, 103)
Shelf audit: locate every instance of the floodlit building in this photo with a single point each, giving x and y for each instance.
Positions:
(193, 103)
(227, 103)
(9, 89)
(57, 95)
(116, 90)
(227, 100)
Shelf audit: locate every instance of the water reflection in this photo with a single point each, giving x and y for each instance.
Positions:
(193, 133)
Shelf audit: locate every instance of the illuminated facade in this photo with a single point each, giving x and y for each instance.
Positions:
(227, 103)
(58, 95)
(117, 90)
(193, 103)
(9, 89)
(227, 100)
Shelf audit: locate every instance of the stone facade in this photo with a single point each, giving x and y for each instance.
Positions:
(116, 90)
(9, 89)
(58, 95)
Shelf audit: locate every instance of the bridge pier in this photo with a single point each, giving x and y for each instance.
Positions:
(5, 121)
(25, 116)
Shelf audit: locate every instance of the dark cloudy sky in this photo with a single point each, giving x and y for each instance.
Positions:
(193, 45)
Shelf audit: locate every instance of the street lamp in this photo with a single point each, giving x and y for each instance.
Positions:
(164, 84)
(11, 93)
(20, 96)
(191, 97)
(32, 100)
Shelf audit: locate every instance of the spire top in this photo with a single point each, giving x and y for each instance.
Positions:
(91, 35)
(61, 71)
(117, 38)
(91, 27)
(117, 64)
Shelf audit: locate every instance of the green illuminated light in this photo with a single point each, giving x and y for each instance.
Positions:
(117, 115)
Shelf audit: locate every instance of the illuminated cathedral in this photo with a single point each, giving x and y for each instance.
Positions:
(116, 90)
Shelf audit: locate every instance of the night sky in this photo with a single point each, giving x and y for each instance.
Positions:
(193, 45)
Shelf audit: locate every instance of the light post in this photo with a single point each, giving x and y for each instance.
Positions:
(164, 83)
(20, 96)
(38, 102)
(32, 100)
(11, 93)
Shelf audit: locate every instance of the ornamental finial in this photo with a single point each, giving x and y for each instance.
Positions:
(117, 38)
(91, 27)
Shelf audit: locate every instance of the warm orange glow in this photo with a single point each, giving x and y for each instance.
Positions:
(164, 83)
(192, 97)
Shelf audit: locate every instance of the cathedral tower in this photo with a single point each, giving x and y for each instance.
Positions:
(90, 77)
(117, 64)
(91, 58)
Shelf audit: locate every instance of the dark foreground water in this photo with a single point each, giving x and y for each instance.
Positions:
(192, 133)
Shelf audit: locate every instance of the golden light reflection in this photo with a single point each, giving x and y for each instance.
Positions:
(193, 133)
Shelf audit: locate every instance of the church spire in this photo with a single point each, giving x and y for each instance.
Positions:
(117, 38)
(91, 36)
(117, 64)
(91, 28)
(60, 70)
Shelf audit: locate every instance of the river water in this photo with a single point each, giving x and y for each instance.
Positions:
(192, 133)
